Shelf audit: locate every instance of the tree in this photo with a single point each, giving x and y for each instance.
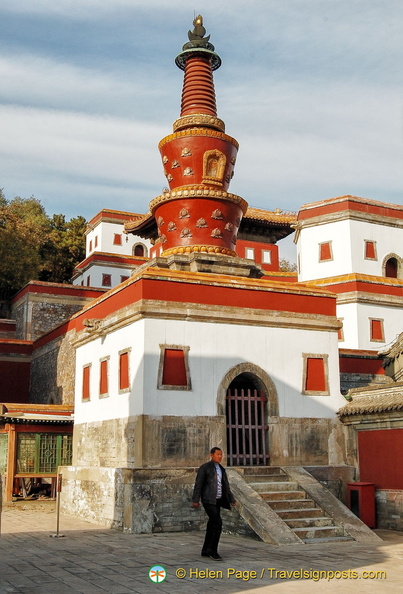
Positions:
(64, 248)
(24, 226)
(287, 266)
(34, 246)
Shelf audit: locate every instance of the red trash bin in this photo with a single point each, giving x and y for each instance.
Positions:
(361, 501)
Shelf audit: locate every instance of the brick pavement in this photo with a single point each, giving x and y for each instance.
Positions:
(93, 560)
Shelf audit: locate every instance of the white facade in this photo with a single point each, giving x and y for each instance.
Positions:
(357, 318)
(108, 237)
(347, 240)
(103, 276)
(106, 242)
(214, 349)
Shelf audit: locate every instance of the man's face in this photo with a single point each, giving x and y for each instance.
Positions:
(217, 456)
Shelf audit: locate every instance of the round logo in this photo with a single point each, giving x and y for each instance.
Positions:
(157, 574)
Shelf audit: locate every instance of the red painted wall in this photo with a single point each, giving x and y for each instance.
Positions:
(372, 366)
(14, 381)
(380, 455)
(258, 247)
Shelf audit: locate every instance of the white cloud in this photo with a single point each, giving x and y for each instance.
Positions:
(78, 150)
(312, 90)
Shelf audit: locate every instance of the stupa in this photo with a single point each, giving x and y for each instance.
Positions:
(196, 213)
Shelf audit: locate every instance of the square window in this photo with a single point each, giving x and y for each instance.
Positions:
(88, 281)
(106, 280)
(173, 373)
(123, 278)
(377, 333)
(266, 257)
(370, 250)
(96, 241)
(90, 247)
(325, 251)
(250, 253)
(315, 375)
(117, 239)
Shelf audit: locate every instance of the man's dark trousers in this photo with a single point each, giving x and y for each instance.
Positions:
(213, 529)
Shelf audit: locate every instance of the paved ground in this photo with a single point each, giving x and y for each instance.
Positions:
(91, 559)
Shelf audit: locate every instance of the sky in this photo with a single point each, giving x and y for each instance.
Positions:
(311, 89)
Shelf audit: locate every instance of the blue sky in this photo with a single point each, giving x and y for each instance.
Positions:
(311, 89)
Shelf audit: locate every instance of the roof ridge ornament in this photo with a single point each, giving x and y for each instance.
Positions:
(198, 43)
(196, 37)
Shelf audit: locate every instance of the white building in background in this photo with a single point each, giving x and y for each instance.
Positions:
(111, 254)
(353, 246)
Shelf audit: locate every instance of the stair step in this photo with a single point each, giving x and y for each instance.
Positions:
(308, 522)
(308, 512)
(283, 495)
(275, 486)
(268, 470)
(327, 539)
(321, 532)
(291, 504)
(264, 478)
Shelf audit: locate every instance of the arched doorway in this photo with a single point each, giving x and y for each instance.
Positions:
(391, 268)
(249, 400)
(139, 249)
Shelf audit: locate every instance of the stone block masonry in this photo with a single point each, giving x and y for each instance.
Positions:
(389, 509)
(140, 501)
(53, 373)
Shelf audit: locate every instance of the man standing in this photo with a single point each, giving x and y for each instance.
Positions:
(213, 488)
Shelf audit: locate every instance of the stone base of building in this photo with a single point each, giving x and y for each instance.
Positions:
(173, 441)
(389, 509)
(146, 501)
(140, 501)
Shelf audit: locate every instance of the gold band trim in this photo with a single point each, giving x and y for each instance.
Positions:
(197, 192)
(198, 132)
(197, 119)
(203, 249)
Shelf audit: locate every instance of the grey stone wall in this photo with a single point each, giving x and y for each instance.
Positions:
(37, 313)
(144, 441)
(308, 441)
(47, 315)
(53, 373)
(334, 478)
(389, 509)
(350, 381)
(17, 314)
(140, 500)
(168, 441)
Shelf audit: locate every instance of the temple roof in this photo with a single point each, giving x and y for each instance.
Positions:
(374, 400)
(256, 221)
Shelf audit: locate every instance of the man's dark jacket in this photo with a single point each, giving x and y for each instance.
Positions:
(206, 486)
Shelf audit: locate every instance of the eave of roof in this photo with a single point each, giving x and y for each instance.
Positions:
(146, 226)
(372, 401)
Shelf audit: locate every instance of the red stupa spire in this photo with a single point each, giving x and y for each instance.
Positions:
(197, 213)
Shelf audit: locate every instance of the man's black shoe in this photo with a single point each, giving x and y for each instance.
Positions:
(216, 557)
(205, 554)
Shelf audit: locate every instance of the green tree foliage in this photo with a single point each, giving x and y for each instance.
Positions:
(63, 249)
(34, 246)
(287, 266)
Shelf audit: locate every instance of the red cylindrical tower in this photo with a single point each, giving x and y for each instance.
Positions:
(197, 213)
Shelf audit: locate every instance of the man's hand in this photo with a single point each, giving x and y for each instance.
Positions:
(196, 505)
(233, 504)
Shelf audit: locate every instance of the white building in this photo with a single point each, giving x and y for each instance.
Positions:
(353, 246)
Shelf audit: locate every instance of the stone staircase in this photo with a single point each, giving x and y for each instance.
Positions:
(292, 504)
